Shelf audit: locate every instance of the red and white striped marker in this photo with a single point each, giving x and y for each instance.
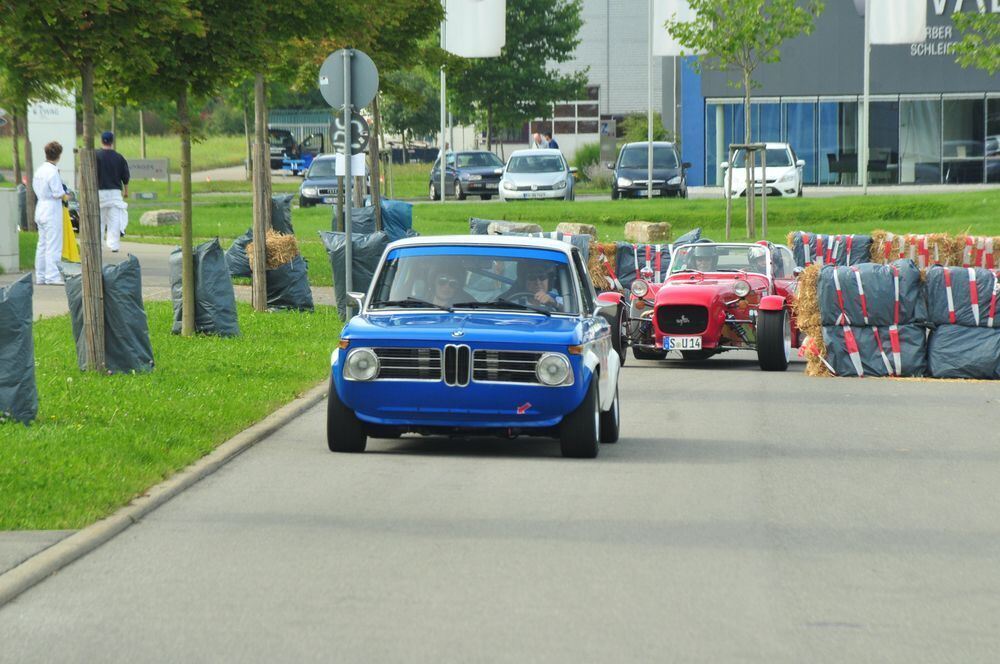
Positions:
(973, 295)
(951, 300)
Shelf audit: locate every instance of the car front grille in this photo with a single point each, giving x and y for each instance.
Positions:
(682, 319)
(327, 191)
(409, 363)
(505, 366)
(457, 365)
(541, 187)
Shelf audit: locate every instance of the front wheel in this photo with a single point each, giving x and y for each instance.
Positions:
(580, 430)
(344, 432)
(459, 194)
(614, 194)
(611, 422)
(774, 340)
(486, 197)
(619, 333)
(433, 193)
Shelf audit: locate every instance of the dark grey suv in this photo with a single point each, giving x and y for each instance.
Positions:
(631, 171)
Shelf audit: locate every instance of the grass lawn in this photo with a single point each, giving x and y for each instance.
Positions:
(99, 441)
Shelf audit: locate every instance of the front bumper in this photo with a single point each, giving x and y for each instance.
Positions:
(480, 187)
(784, 189)
(637, 191)
(547, 194)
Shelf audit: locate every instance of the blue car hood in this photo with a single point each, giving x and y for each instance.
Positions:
(476, 329)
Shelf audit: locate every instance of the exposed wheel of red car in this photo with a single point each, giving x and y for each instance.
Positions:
(774, 340)
(344, 432)
(696, 355)
(619, 333)
(643, 354)
(578, 433)
(611, 421)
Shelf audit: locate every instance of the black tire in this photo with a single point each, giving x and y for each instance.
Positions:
(696, 355)
(774, 340)
(580, 430)
(618, 334)
(799, 195)
(643, 354)
(304, 204)
(459, 194)
(432, 193)
(344, 431)
(611, 422)
(486, 197)
(614, 194)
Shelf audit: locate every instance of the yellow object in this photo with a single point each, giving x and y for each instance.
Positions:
(70, 252)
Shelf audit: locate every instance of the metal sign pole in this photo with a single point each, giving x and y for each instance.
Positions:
(763, 194)
(649, 108)
(442, 153)
(863, 151)
(348, 238)
(728, 184)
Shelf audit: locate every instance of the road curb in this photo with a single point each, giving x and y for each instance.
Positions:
(49, 561)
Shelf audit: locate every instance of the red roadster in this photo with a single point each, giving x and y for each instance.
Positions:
(722, 296)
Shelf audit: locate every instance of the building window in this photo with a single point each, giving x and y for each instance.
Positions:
(800, 133)
(964, 140)
(993, 139)
(838, 142)
(920, 141)
(883, 142)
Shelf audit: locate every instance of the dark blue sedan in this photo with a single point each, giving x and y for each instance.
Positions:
(474, 173)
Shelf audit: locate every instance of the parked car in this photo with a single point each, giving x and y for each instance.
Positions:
(631, 171)
(531, 174)
(722, 296)
(320, 182)
(473, 173)
(282, 142)
(476, 335)
(301, 156)
(783, 177)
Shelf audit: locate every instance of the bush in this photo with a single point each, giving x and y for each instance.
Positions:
(587, 155)
(598, 176)
(634, 129)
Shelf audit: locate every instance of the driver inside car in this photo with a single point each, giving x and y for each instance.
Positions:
(757, 258)
(537, 282)
(702, 259)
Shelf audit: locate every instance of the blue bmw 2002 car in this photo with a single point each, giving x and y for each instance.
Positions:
(477, 335)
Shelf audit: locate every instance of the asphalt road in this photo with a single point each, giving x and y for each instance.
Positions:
(743, 517)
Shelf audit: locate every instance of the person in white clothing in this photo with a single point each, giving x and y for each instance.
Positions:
(48, 187)
(112, 190)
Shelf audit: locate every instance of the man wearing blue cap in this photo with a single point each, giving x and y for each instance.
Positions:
(112, 185)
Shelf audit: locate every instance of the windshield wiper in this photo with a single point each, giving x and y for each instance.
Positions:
(501, 303)
(409, 302)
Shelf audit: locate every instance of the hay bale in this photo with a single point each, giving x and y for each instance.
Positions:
(598, 268)
(647, 232)
(573, 228)
(810, 320)
(279, 249)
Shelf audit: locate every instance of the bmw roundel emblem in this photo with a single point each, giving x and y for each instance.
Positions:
(458, 333)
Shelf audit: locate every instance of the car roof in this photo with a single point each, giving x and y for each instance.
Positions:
(534, 152)
(483, 241)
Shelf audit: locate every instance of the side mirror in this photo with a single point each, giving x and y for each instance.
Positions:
(610, 165)
(801, 163)
(573, 170)
(686, 164)
(723, 165)
(359, 299)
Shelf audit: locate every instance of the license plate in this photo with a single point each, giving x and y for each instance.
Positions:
(682, 343)
(329, 199)
(643, 193)
(491, 185)
(534, 194)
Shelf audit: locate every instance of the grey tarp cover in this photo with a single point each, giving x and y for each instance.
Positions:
(288, 286)
(581, 242)
(913, 350)
(362, 220)
(366, 252)
(690, 237)
(397, 219)
(18, 393)
(958, 351)
(126, 330)
(834, 248)
(479, 226)
(214, 299)
(281, 213)
(937, 296)
(625, 261)
(879, 287)
(237, 258)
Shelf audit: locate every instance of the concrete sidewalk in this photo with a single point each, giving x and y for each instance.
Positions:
(154, 260)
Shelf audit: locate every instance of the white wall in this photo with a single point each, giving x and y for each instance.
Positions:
(54, 122)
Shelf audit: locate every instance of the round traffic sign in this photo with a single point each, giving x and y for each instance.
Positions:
(364, 78)
(360, 133)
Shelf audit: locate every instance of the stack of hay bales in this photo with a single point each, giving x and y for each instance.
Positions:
(925, 250)
(820, 249)
(963, 304)
(864, 320)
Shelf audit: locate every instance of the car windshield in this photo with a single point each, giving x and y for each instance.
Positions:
(322, 168)
(476, 278)
(281, 139)
(638, 157)
(539, 163)
(775, 157)
(479, 160)
(719, 258)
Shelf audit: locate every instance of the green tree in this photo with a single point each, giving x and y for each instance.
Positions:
(980, 44)
(739, 36)
(412, 109)
(519, 85)
(81, 40)
(634, 128)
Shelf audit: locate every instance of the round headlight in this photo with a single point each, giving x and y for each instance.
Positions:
(624, 182)
(310, 191)
(552, 369)
(640, 288)
(741, 288)
(362, 364)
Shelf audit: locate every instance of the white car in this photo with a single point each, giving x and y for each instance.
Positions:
(783, 177)
(533, 174)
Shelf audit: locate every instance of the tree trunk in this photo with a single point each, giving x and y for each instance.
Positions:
(142, 134)
(29, 168)
(187, 225)
(750, 158)
(15, 133)
(246, 132)
(90, 232)
(489, 128)
(261, 196)
(376, 157)
(114, 120)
